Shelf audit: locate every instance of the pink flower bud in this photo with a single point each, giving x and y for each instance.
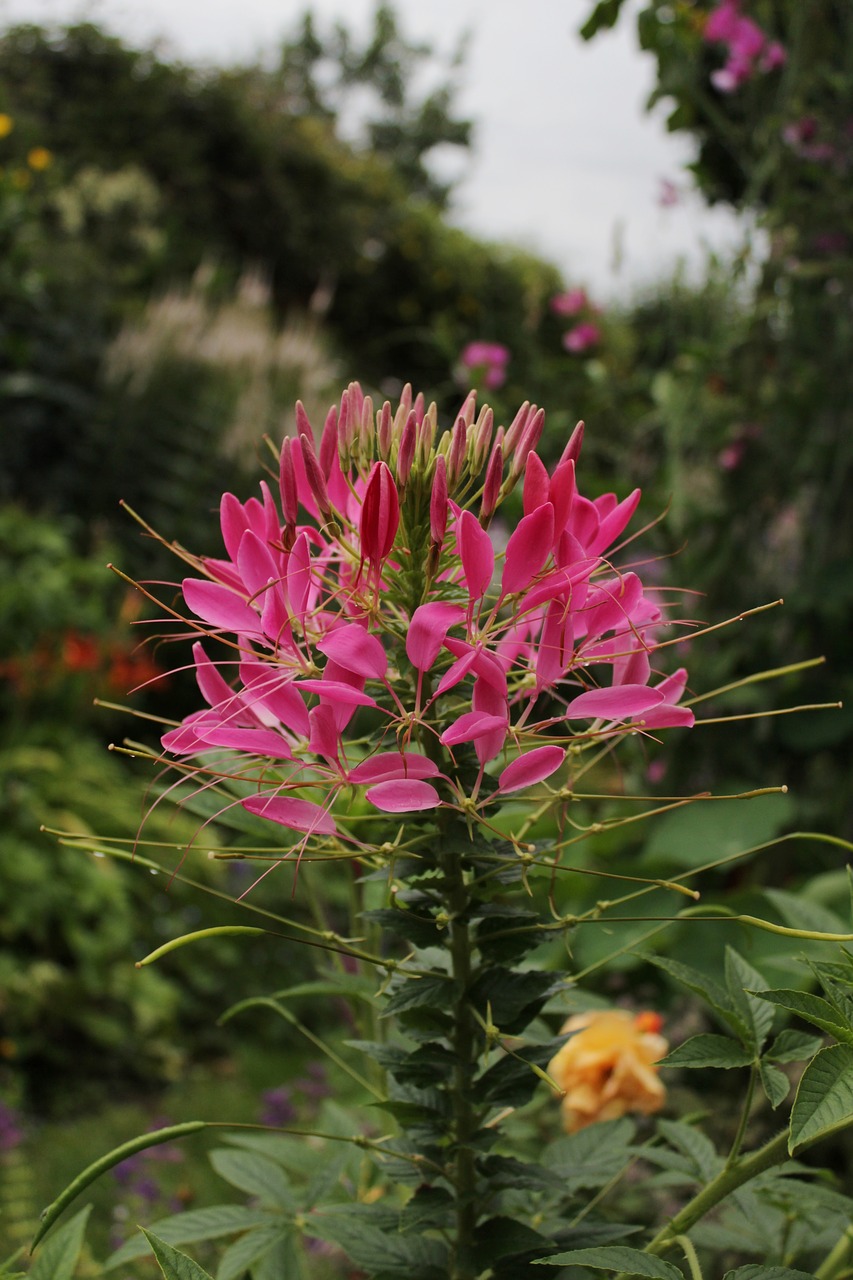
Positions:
(573, 448)
(406, 451)
(303, 426)
(516, 427)
(482, 436)
(314, 475)
(384, 432)
(287, 484)
(380, 515)
(438, 503)
(329, 441)
(457, 452)
(492, 485)
(529, 440)
(366, 430)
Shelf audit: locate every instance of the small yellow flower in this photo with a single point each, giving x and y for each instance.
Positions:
(40, 158)
(607, 1068)
(7, 124)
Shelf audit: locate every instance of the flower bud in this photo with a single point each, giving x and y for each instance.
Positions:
(482, 438)
(515, 428)
(406, 451)
(366, 432)
(438, 503)
(492, 485)
(303, 426)
(573, 448)
(287, 484)
(529, 440)
(314, 476)
(456, 453)
(385, 430)
(329, 441)
(380, 515)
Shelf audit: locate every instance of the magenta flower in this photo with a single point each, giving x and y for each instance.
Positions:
(569, 303)
(582, 337)
(386, 657)
(487, 359)
(748, 48)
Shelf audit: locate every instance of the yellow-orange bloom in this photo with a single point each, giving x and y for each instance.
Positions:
(7, 124)
(607, 1068)
(39, 158)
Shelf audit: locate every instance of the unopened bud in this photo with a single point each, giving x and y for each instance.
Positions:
(456, 453)
(380, 515)
(366, 432)
(287, 484)
(515, 428)
(406, 451)
(469, 408)
(384, 431)
(482, 438)
(529, 439)
(573, 448)
(426, 434)
(492, 485)
(329, 441)
(419, 407)
(314, 476)
(438, 503)
(303, 426)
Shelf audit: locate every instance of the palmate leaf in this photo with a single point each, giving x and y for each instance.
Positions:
(793, 1046)
(174, 1265)
(256, 1175)
(774, 1082)
(197, 1224)
(824, 1101)
(499, 1239)
(380, 1251)
(250, 1249)
(741, 981)
(709, 990)
(615, 1258)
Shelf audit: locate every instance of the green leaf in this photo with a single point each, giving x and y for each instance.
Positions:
(800, 913)
(198, 1224)
(428, 1207)
(754, 1271)
(257, 1176)
(615, 1258)
(741, 981)
(380, 1251)
(58, 1255)
(812, 1009)
(774, 1083)
(174, 1265)
(514, 996)
(793, 1046)
(708, 1051)
(500, 1238)
(417, 993)
(699, 1150)
(603, 16)
(249, 1249)
(701, 985)
(420, 930)
(824, 1100)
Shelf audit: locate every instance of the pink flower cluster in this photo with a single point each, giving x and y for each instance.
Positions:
(375, 597)
(748, 49)
(586, 333)
(488, 360)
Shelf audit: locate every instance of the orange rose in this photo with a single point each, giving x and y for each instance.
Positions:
(607, 1068)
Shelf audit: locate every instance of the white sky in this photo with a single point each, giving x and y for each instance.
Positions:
(565, 162)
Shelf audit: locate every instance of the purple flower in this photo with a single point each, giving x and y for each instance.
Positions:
(748, 47)
(11, 1128)
(278, 1109)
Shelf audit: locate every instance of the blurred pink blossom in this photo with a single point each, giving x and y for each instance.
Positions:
(491, 357)
(582, 337)
(748, 47)
(668, 194)
(569, 303)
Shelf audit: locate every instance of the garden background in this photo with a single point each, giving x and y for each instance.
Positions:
(175, 270)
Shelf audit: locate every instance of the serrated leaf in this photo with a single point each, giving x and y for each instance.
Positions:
(754, 1271)
(824, 1100)
(708, 1051)
(793, 1046)
(174, 1265)
(283, 1259)
(420, 930)
(615, 1258)
(379, 1251)
(774, 1082)
(428, 1207)
(505, 1173)
(693, 1144)
(741, 981)
(701, 985)
(256, 1175)
(514, 996)
(197, 1224)
(418, 993)
(498, 1238)
(248, 1250)
(799, 913)
(811, 1008)
(57, 1256)
(426, 1065)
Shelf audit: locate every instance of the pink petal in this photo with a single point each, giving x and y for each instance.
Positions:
(265, 685)
(537, 483)
(618, 703)
(531, 768)
(299, 815)
(355, 649)
(668, 717)
(214, 688)
(614, 523)
(428, 627)
(324, 735)
(184, 740)
(257, 742)
(403, 796)
(527, 550)
(336, 691)
(477, 553)
(220, 607)
(256, 565)
(561, 492)
(388, 766)
(472, 725)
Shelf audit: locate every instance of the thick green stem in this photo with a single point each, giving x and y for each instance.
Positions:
(837, 1261)
(464, 1040)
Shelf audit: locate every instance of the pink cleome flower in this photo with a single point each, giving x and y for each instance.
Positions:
(748, 48)
(490, 359)
(377, 592)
